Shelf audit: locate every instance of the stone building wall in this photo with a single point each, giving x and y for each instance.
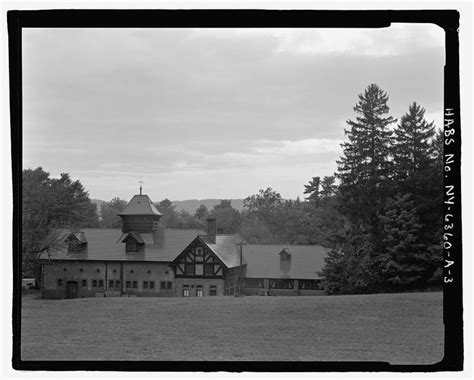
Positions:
(99, 279)
(193, 284)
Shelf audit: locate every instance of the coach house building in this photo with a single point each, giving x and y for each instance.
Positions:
(148, 260)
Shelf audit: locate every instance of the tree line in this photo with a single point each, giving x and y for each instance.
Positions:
(379, 214)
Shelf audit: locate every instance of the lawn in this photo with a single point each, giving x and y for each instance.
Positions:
(398, 328)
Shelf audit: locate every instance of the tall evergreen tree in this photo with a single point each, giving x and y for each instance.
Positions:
(415, 153)
(350, 267)
(313, 190)
(413, 148)
(405, 261)
(365, 168)
(328, 187)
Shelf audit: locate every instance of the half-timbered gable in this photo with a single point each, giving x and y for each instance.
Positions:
(199, 261)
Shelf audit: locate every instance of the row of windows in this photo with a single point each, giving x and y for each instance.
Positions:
(199, 269)
(115, 284)
(282, 284)
(199, 291)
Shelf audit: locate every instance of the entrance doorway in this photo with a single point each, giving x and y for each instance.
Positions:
(72, 289)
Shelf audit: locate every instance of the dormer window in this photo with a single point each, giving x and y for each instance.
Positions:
(74, 246)
(76, 242)
(131, 247)
(285, 255)
(133, 242)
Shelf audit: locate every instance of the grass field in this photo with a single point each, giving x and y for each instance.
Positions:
(398, 328)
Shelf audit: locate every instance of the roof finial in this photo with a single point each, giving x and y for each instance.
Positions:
(140, 182)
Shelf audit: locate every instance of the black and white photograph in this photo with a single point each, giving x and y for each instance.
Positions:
(234, 194)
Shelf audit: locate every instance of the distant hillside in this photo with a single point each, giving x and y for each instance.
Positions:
(191, 205)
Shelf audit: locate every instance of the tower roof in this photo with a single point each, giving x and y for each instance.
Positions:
(140, 205)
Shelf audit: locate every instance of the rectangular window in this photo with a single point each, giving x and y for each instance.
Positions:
(213, 290)
(208, 269)
(101, 283)
(169, 285)
(185, 291)
(199, 270)
(135, 285)
(145, 284)
(84, 283)
(131, 247)
(128, 284)
(199, 292)
(111, 284)
(252, 283)
(117, 284)
(60, 282)
(198, 251)
(190, 269)
(282, 284)
(74, 246)
(163, 285)
(94, 283)
(310, 284)
(152, 284)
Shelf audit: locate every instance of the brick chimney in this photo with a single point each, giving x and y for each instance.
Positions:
(211, 229)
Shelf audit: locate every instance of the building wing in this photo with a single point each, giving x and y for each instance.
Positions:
(284, 261)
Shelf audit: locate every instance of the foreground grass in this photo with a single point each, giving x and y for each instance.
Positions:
(398, 328)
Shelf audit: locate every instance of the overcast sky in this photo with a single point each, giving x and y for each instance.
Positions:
(212, 113)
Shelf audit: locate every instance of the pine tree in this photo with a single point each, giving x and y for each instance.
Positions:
(313, 190)
(405, 261)
(351, 267)
(365, 168)
(328, 187)
(418, 171)
(413, 150)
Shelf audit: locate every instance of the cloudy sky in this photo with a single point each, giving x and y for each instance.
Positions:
(212, 113)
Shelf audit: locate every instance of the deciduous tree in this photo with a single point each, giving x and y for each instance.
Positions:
(227, 218)
(49, 205)
(170, 217)
(109, 213)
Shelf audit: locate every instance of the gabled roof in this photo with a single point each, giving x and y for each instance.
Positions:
(134, 235)
(140, 205)
(79, 236)
(263, 261)
(225, 248)
(105, 244)
(140, 237)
